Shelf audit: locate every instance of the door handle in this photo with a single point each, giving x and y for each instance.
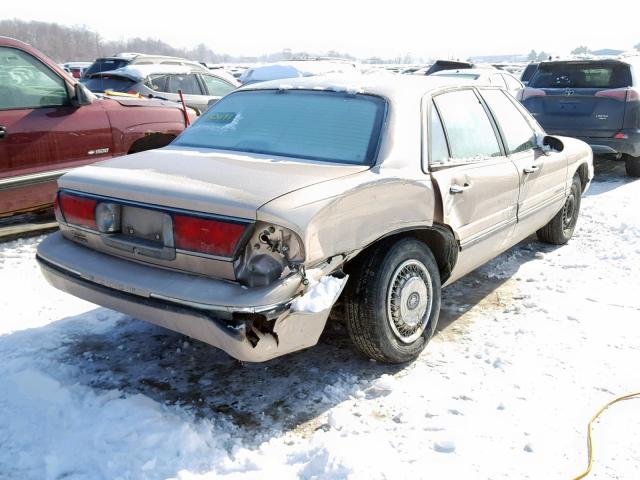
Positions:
(455, 188)
(531, 169)
(3, 131)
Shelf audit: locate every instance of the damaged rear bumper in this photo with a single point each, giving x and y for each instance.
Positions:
(217, 312)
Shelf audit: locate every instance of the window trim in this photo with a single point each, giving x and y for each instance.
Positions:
(494, 126)
(67, 87)
(519, 108)
(508, 151)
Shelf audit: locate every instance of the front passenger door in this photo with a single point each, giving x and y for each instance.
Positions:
(477, 183)
(542, 176)
(42, 133)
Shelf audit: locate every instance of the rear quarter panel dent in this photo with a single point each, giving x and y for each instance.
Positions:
(356, 215)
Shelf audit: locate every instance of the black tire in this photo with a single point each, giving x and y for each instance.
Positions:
(372, 303)
(561, 227)
(632, 165)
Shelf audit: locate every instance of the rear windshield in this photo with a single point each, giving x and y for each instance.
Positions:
(581, 75)
(316, 125)
(102, 83)
(446, 65)
(106, 65)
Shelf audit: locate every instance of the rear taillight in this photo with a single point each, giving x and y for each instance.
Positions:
(77, 210)
(531, 93)
(204, 235)
(621, 94)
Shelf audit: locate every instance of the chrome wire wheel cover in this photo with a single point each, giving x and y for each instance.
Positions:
(409, 300)
(569, 211)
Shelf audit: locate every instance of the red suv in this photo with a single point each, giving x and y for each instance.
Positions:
(49, 124)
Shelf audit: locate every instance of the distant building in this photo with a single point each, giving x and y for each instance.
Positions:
(606, 52)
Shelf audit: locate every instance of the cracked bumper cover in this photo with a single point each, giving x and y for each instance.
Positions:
(190, 304)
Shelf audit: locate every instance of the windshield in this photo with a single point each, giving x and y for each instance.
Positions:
(316, 125)
(581, 75)
(106, 65)
(102, 83)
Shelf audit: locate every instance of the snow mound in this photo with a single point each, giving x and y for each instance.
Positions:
(319, 296)
(444, 446)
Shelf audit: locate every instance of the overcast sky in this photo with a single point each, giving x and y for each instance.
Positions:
(392, 28)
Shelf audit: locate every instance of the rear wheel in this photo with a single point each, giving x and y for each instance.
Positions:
(632, 165)
(393, 301)
(561, 227)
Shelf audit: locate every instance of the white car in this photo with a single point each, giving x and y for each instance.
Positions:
(486, 76)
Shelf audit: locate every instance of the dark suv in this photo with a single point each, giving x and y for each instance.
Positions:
(597, 101)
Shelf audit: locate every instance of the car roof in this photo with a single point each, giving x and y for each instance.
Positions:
(140, 72)
(630, 60)
(384, 84)
(471, 71)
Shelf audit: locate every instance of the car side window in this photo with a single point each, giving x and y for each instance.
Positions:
(469, 130)
(438, 150)
(216, 86)
(518, 134)
(188, 83)
(157, 83)
(27, 83)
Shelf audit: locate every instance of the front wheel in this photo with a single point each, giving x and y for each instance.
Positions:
(561, 227)
(632, 165)
(393, 301)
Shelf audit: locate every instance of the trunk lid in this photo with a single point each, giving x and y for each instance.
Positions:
(229, 184)
(570, 97)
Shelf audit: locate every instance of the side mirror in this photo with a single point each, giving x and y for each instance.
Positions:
(549, 143)
(211, 102)
(81, 96)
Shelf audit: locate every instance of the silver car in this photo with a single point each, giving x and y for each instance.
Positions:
(487, 76)
(200, 88)
(245, 230)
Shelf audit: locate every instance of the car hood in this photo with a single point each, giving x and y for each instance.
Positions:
(217, 182)
(132, 101)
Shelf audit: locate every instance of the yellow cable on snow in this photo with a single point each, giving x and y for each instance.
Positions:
(593, 419)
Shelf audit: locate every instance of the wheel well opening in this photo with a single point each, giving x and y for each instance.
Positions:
(438, 238)
(583, 173)
(149, 142)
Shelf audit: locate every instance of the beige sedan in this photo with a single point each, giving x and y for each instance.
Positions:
(245, 231)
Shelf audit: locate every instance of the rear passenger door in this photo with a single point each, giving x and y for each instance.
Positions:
(477, 182)
(542, 176)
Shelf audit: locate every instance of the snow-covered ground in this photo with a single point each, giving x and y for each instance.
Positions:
(528, 347)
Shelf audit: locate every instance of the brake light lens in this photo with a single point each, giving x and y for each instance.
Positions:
(621, 94)
(77, 210)
(531, 93)
(204, 235)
